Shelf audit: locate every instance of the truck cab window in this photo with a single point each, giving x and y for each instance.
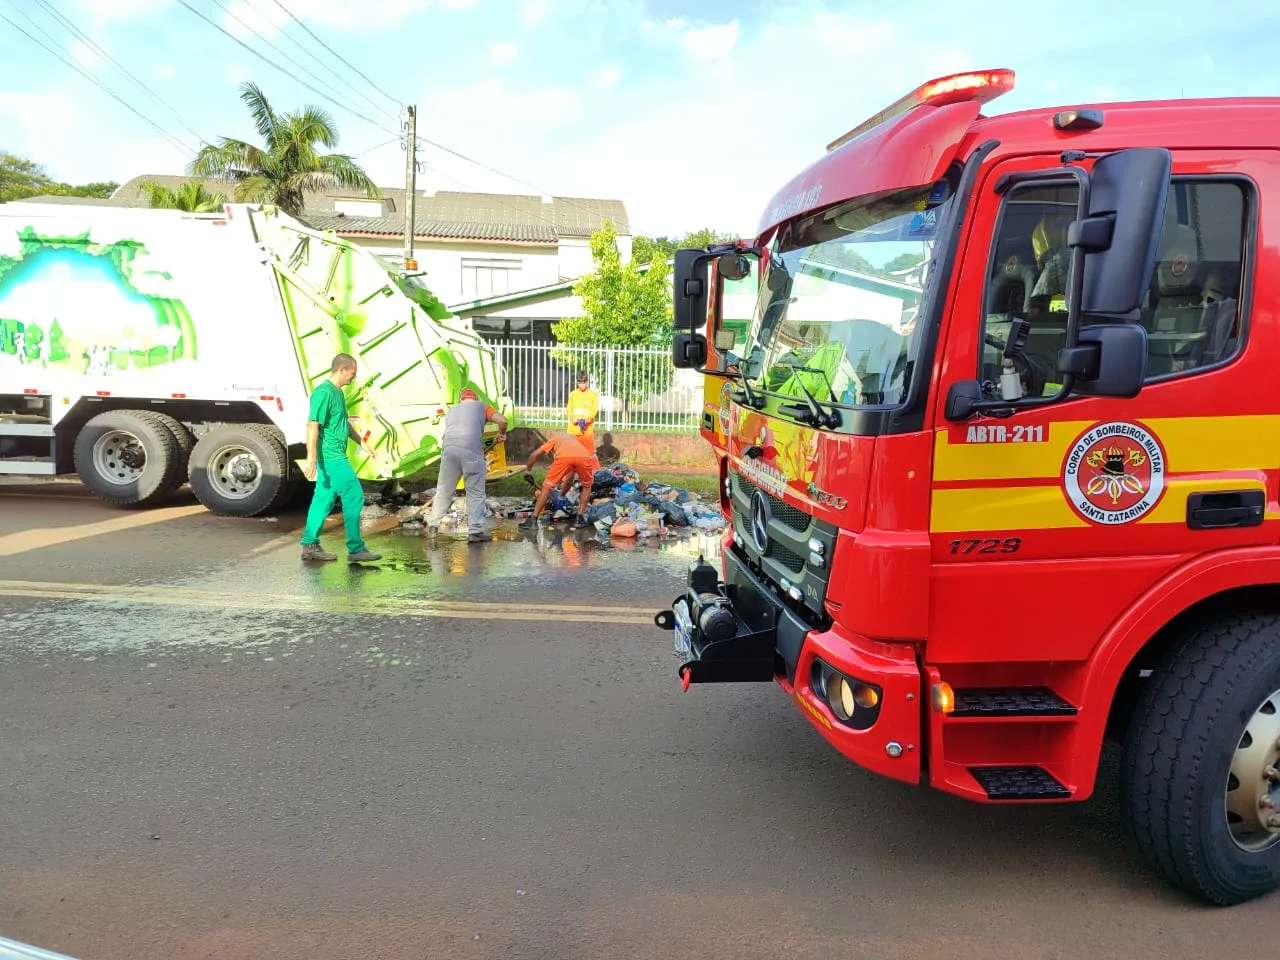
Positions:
(1192, 310)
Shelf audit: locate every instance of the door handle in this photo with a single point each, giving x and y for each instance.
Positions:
(1229, 508)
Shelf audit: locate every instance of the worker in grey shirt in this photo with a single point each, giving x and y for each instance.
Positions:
(462, 456)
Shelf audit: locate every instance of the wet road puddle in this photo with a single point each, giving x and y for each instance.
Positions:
(268, 604)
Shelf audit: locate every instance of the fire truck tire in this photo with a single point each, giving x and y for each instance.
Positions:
(1206, 729)
(127, 458)
(185, 441)
(241, 470)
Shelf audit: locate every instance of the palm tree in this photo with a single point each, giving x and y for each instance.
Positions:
(190, 196)
(288, 166)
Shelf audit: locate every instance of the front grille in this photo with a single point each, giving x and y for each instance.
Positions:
(794, 518)
(792, 561)
(785, 556)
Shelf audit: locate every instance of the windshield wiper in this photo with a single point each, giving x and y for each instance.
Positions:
(812, 412)
(753, 399)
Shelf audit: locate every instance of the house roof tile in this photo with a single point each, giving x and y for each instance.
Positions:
(445, 214)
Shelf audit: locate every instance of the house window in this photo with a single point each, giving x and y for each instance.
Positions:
(483, 278)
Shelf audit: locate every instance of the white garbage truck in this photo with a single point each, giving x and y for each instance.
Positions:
(142, 349)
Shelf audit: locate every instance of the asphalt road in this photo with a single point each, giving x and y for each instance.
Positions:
(211, 750)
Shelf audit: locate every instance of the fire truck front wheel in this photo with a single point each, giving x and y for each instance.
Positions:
(127, 458)
(1202, 764)
(241, 470)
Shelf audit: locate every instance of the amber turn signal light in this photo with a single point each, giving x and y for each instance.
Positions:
(944, 698)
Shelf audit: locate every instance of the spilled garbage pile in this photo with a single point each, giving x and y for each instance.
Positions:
(621, 506)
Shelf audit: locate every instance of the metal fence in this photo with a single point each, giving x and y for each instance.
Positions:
(639, 387)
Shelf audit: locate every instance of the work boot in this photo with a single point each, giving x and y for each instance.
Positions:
(364, 556)
(313, 551)
(482, 537)
(529, 523)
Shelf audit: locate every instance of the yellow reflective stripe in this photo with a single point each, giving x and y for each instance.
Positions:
(991, 509)
(1191, 444)
(969, 509)
(1195, 444)
(1008, 460)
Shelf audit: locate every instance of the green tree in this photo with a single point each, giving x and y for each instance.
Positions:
(190, 196)
(21, 178)
(647, 249)
(622, 306)
(288, 165)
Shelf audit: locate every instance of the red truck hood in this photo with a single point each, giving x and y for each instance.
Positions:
(825, 474)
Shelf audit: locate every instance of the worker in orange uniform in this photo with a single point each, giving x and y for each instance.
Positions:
(569, 458)
(582, 409)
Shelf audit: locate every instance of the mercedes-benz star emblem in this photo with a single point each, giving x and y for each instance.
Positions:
(760, 522)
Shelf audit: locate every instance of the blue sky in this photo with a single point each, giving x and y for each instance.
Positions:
(692, 113)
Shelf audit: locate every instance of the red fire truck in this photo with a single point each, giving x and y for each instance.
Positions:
(1001, 460)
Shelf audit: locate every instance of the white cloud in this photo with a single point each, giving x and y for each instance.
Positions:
(533, 12)
(359, 16)
(244, 18)
(238, 73)
(103, 12)
(500, 54)
(458, 4)
(606, 77)
(85, 55)
(842, 33)
(123, 146)
(712, 43)
(675, 23)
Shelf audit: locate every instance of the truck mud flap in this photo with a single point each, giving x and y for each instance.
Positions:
(719, 638)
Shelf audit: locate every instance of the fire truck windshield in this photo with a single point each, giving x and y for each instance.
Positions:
(838, 300)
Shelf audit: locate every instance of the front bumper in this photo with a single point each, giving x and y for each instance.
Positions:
(738, 630)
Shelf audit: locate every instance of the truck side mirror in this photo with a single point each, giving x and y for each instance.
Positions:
(689, 289)
(689, 350)
(1121, 231)
(734, 266)
(1110, 360)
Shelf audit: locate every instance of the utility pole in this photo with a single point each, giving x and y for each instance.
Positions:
(410, 183)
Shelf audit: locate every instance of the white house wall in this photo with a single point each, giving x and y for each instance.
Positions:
(442, 261)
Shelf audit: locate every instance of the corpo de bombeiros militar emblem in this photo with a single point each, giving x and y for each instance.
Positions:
(1114, 473)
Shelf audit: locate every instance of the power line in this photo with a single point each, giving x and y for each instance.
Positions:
(484, 166)
(374, 123)
(310, 53)
(291, 76)
(385, 143)
(183, 148)
(76, 31)
(439, 146)
(333, 95)
(290, 15)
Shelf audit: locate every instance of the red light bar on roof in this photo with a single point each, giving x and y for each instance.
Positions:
(981, 86)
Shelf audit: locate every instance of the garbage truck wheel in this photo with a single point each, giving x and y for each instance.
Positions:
(127, 458)
(240, 470)
(186, 442)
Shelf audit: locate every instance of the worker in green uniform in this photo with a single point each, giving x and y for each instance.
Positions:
(328, 430)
